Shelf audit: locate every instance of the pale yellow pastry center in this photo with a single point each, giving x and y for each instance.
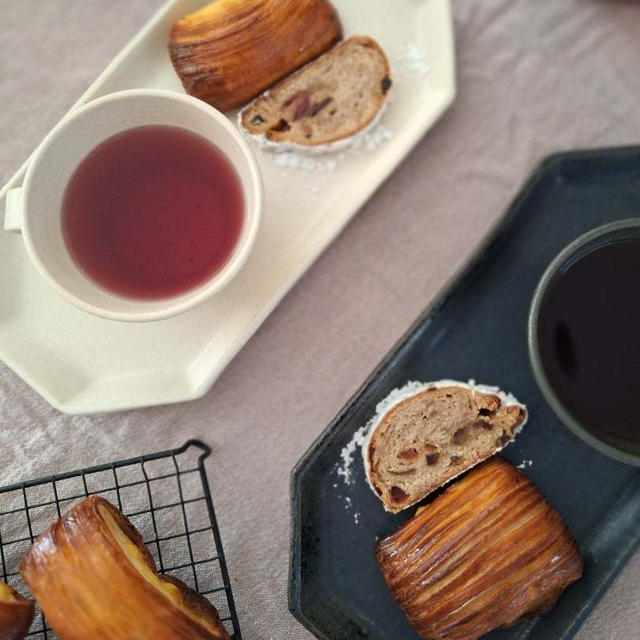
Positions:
(134, 555)
(6, 593)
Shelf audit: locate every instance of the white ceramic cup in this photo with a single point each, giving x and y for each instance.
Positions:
(35, 208)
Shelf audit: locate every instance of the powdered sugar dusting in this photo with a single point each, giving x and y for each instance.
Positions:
(525, 464)
(414, 58)
(360, 436)
(349, 508)
(347, 454)
(373, 138)
(301, 160)
(369, 139)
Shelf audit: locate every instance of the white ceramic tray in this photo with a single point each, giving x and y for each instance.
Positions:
(83, 364)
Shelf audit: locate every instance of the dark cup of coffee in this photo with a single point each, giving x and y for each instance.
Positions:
(584, 338)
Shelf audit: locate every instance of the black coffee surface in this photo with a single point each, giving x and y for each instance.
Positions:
(589, 337)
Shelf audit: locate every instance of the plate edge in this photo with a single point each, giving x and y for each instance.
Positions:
(547, 164)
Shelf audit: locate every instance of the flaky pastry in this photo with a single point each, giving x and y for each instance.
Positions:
(230, 50)
(487, 552)
(93, 578)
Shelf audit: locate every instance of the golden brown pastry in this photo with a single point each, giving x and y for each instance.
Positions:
(487, 552)
(93, 578)
(230, 50)
(16, 614)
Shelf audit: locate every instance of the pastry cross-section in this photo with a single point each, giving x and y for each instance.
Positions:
(327, 102)
(432, 432)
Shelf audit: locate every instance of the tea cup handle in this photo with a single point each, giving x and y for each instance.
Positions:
(13, 211)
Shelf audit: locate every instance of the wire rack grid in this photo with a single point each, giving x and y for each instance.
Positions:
(166, 496)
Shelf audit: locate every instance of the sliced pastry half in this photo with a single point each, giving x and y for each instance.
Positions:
(93, 578)
(425, 434)
(326, 103)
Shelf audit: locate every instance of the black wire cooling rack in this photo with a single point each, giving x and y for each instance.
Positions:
(165, 495)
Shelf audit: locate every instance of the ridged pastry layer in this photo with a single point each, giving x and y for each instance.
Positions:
(93, 578)
(487, 552)
(231, 50)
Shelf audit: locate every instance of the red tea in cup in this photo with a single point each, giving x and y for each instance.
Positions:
(153, 212)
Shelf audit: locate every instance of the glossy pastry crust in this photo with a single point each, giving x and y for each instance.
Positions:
(93, 578)
(487, 552)
(231, 50)
(16, 614)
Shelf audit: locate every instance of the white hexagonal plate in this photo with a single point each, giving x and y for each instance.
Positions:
(82, 364)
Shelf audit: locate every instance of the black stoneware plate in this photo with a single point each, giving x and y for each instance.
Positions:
(476, 329)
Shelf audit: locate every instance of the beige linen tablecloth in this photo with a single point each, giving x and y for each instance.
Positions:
(534, 76)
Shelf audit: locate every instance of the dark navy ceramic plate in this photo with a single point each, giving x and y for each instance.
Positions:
(477, 329)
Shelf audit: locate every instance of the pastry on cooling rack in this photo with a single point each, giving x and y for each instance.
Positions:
(16, 614)
(93, 578)
(426, 434)
(230, 50)
(487, 552)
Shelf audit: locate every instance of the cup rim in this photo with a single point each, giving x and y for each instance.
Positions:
(184, 302)
(535, 359)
